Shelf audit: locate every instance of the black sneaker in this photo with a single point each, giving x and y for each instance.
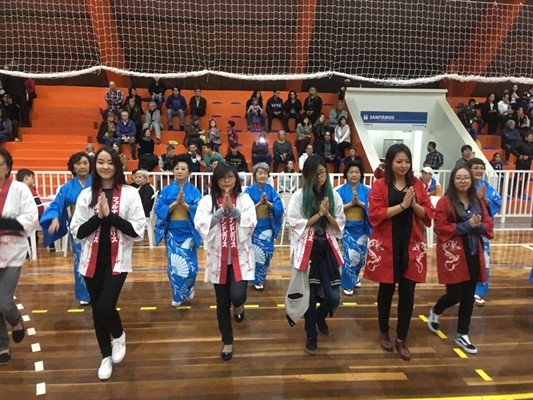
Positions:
(5, 358)
(433, 321)
(322, 327)
(19, 335)
(466, 344)
(310, 346)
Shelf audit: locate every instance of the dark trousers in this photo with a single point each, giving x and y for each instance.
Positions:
(520, 183)
(277, 160)
(301, 144)
(295, 116)
(327, 304)
(280, 116)
(336, 161)
(257, 158)
(342, 148)
(227, 294)
(462, 293)
(406, 300)
(104, 289)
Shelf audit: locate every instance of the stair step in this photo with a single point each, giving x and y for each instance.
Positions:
(59, 153)
(65, 124)
(56, 140)
(54, 131)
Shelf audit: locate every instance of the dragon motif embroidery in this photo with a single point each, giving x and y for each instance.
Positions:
(452, 259)
(421, 248)
(373, 259)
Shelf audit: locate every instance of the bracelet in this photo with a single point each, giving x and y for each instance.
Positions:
(319, 215)
(401, 207)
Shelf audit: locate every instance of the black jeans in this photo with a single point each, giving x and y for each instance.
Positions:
(229, 293)
(462, 293)
(280, 116)
(277, 160)
(104, 289)
(406, 301)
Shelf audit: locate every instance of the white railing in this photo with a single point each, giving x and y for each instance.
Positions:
(517, 185)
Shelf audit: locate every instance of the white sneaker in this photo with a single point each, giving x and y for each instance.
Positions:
(84, 303)
(433, 321)
(465, 343)
(358, 284)
(176, 303)
(480, 301)
(106, 369)
(348, 292)
(260, 286)
(118, 348)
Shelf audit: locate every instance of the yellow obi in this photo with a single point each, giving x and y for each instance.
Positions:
(72, 209)
(179, 214)
(355, 214)
(263, 211)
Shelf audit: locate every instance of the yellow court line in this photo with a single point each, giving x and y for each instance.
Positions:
(518, 396)
(148, 308)
(281, 305)
(460, 353)
(441, 335)
(213, 307)
(118, 308)
(349, 304)
(423, 318)
(39, 311)
(76, 310)
(484, 375)
(183, 308)
(251, 306)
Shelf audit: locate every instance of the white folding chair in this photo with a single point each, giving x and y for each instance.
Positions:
(285, 198)
(150, 222)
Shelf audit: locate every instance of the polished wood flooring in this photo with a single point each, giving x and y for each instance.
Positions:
(174, 354)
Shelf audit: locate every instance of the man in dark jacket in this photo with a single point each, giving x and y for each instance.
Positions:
(524, 154)
(176, 105)
(11, 111)
(198, 104)
(275, 109)
(236, 158)
(328, 150)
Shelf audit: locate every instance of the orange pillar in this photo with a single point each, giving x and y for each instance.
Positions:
(105, 30)
(482, 46)
(300, 52)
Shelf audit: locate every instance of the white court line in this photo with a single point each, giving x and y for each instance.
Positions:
(527, 247)
(25, 318)
(510, 244)
(39, 366)
(20, 306)
(31, 331)
(35, 347)
(40, 389)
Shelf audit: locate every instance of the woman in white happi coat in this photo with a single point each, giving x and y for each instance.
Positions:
(109, 217)
(18, 220)
(226, 220)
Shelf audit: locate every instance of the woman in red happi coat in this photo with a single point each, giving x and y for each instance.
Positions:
(396, 250)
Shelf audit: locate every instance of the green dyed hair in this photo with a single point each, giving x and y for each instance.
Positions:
(309, 174)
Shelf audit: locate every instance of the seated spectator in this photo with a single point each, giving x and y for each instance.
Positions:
(527, 100)
(353, 157)
(433, 188)
(467, 155)
(123, 157)
(157, 90)
(343, 136)
(152, 120)
(496, 162)
(31, 95)
(505, 110)
(89, 149)
(167, 161)
(135, 114)
(107, 132)
(176, 106)
(214, 164)
(282, 150)
(313, 105)
(292, 108)
(15, 87)
(196, 158)
(27, 177)
(524, 121)
(114, 99)
(510, 137)
(132, 94)
(233, 137)
(523, 151)
(336, 114)
(274, 108)
(434, 158)
(126, 132)
(342, 90)
(514, 97)
(198, 104)
(260, 151)
(147, 159)
(12, 111)
(320, 128)
(489, 113)
(192, 134)
(329, 151)
(308, 153)
(146, 191)
(6, 129)
(288, 184)
(213, 134)
(2, 90)
(254, 115)
(236, 158)
(255, 95)
(467, 116)
(210, 155)
(132, 177)
(303, 134)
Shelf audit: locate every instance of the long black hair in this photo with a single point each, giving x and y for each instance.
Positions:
(76, 157)
(394, 150)
(7, 159)
(310, 175)
(453, 196)
(118, 179)
(220, 172)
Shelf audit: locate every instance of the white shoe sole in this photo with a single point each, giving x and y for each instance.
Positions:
(466, 349)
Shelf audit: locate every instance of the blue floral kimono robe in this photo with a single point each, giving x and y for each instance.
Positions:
(65, 198)
(181, 238)
(355, 236)
(267, 228)
(495, 203)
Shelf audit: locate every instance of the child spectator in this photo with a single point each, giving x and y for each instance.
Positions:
(254, 115)
(27, 177)
(147, 159)
(122, 156)
(157, 90)
(176, 105)
(152, 119)
(114, 99)
(236, 158)
(233, 137)
(89, 149)
(198, 104)
(213, 134)
(496, 161)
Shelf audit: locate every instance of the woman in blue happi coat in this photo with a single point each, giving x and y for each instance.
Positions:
(55, 219)
(493, 201)
(269, 211)
(354, 195)
(175, 209)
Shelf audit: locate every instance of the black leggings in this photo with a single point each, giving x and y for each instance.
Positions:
(406, 300)
(462, 293)
(104, 289)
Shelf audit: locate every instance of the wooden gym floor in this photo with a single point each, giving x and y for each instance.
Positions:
(175, 353)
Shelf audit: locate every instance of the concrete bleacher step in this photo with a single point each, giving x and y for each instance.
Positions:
(41, 164)
(57, 153)
(62, 123)
(60, 141)
(66, 133)
(489, 141)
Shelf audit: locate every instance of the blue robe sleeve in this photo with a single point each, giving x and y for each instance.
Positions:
(362, 195)
(494, 198)
(277, 211)
(57, 209)
(166, 197)
(192, 198)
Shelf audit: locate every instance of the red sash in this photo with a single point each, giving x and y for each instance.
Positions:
(229, 242)
(115, 207)
(4, 190)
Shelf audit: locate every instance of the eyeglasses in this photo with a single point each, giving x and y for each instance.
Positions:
(322, 173)
(462, 179)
